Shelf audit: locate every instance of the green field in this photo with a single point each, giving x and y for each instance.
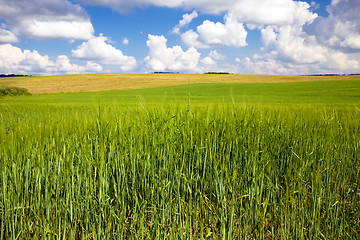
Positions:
(207, 160)
(316, 92)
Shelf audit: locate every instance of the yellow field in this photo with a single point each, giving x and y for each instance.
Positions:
(122, 81)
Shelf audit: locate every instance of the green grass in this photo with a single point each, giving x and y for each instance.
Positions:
(205, 161)
(322, 92)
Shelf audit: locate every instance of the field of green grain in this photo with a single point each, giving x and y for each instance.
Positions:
(196, 161)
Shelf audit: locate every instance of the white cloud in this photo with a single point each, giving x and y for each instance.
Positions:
(292, 44)
(273, 12)
(191, 38)
(161, 58)
(187, 19)
(352, 41)
(215, 55)
(289, 47)
(336, 33)
(265, 66)
(209, 62)
(93, 67)
(7, 36)
(341, 29)
(15, 60)
(254, 13)
(98, 49)
(268, 35)
(63, 65)
(251, 11)
(164, 58)
(232, 34)
(59, 29)
(46, 19)
(125, 41)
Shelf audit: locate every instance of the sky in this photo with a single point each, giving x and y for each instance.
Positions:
(285, 37)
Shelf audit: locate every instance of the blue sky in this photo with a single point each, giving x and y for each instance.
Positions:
(45, 37)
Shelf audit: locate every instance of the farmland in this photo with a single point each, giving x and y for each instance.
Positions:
(238, 157)
(114, 81)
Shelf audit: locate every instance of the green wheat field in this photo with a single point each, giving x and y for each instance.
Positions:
(205, 160)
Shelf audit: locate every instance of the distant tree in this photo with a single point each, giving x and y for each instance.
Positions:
(217, 73)
(165, 72)
(13, 75)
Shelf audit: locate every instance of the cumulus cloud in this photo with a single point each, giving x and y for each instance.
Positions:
(260, 65)
(301, 53)
(98, 49)
(215, 55)
(268, 35)
(292, 44)
(7, 37)
(164, 58)
(304, 46)
(341, 29)
(187, 19)
(16, 60)
(273, 12)
(352, 41)
(231, 33)
(254, 11)
(63, 65)
(59, 29)
(210, 63)
(191, 38)
(46, 19)
(161, 57)
(337, 63)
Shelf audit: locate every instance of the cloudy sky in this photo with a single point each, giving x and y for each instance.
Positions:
(44, 37)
